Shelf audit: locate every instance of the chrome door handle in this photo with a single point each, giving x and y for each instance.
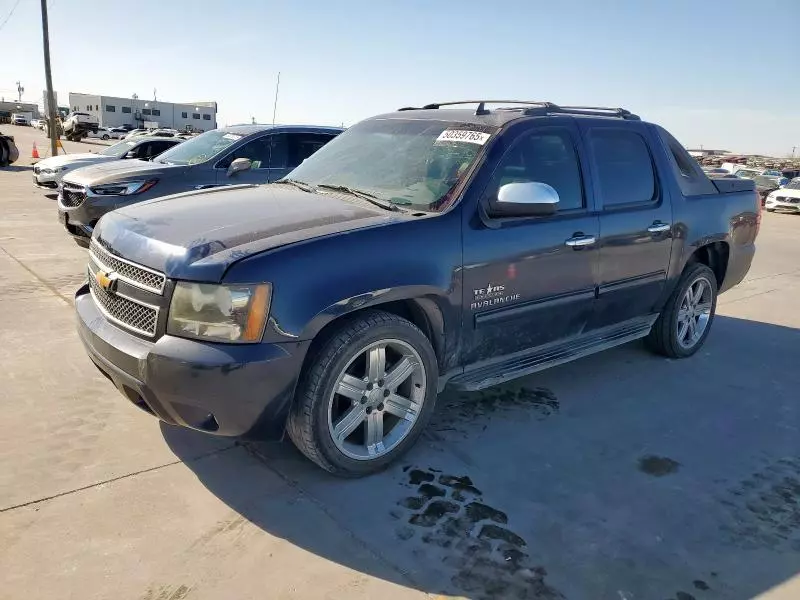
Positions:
(659, 227)
(580, 240)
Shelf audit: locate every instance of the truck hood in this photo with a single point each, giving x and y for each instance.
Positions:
(122, 170)
(197, 235)
(69, 160)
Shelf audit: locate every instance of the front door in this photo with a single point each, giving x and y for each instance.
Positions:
(531, 281)
(268, 155)
(635, 221)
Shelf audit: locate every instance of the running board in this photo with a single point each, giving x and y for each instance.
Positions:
(524, 363)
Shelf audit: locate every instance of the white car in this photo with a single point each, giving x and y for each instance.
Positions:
(49, 172)
(786, 198)
(103, 133)
(135, 133)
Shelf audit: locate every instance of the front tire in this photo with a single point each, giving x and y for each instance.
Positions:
(105, 137)
(365, 396)
(683, 326)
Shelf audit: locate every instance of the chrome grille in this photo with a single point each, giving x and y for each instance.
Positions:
(124, 311)
(131, 273)
(72, 195)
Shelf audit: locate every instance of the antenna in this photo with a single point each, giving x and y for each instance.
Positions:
(275, 107)
(271, 138)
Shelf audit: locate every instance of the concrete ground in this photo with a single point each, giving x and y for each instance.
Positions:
(622, 476)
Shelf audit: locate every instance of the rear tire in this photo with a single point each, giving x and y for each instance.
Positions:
(683, 326)
(355, 411)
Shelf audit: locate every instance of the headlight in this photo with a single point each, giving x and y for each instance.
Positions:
(223, 313)
(128, 188)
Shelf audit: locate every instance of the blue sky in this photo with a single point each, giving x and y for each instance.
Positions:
(720, 74)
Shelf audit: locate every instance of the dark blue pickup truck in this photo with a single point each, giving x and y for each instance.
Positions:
(427, 247)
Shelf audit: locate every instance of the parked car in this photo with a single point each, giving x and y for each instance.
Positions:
(136, 132)
(162, 132)
(35, 123)
(49, 172)
(118, 132)
(19, 120)
(233, 155)
(785, 199)
(103, 133)
(421, 248)
(748, 173)
(717, 172)
(8, 150)
(765, 185)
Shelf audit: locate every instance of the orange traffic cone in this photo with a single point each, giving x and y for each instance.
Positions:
(34, 152)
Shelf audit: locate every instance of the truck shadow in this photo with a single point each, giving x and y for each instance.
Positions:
(622, 475)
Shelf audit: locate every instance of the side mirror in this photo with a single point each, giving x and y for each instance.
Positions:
(239, 165)
(130, 154)
(526, 199)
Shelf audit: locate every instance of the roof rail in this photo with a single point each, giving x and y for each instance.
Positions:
(532, 107)
(481, 110)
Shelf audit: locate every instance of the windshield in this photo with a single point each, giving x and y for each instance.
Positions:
(200, 149)
(118, 149)
(794, 184)
(416, 164)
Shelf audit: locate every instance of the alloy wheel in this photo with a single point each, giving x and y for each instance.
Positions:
(694, 313)
(376, 399)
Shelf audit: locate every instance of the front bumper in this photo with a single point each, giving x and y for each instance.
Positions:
(224, 389)
(46, 180)
(788, 205)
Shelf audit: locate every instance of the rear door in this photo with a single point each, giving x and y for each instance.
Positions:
(268, 155)
(635, 220)
(303, 145)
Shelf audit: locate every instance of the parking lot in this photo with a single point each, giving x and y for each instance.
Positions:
(621, 476)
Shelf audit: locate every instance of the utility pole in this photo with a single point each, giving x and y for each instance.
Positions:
(52, 128)
(20, 89)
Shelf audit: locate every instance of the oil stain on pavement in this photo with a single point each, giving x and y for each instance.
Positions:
(658, 466)
(762, 511)
(455, 412)
(486, 559)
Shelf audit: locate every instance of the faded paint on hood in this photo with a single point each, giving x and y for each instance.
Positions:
(197, 235)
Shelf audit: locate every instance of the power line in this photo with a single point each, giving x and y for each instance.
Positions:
(13, 8)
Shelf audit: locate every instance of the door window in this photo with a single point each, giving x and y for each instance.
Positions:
(624, 167)
(266, 152)
(544, 157)
(303, 145)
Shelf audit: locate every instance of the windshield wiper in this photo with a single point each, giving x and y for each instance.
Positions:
(301, 185)
(371, 198)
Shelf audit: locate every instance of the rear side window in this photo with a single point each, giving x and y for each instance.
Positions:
(687, 171)
(303, 145)
(624, 167)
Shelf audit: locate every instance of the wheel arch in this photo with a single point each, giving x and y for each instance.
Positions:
(715, 256)
(427, 312)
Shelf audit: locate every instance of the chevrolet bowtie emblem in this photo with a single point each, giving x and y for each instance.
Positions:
(107, 281)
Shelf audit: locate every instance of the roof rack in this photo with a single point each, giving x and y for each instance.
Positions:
(533, 107)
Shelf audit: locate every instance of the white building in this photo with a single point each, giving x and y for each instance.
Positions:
(116, 112)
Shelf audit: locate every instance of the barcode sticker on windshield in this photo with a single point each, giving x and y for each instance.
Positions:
(462, 135)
